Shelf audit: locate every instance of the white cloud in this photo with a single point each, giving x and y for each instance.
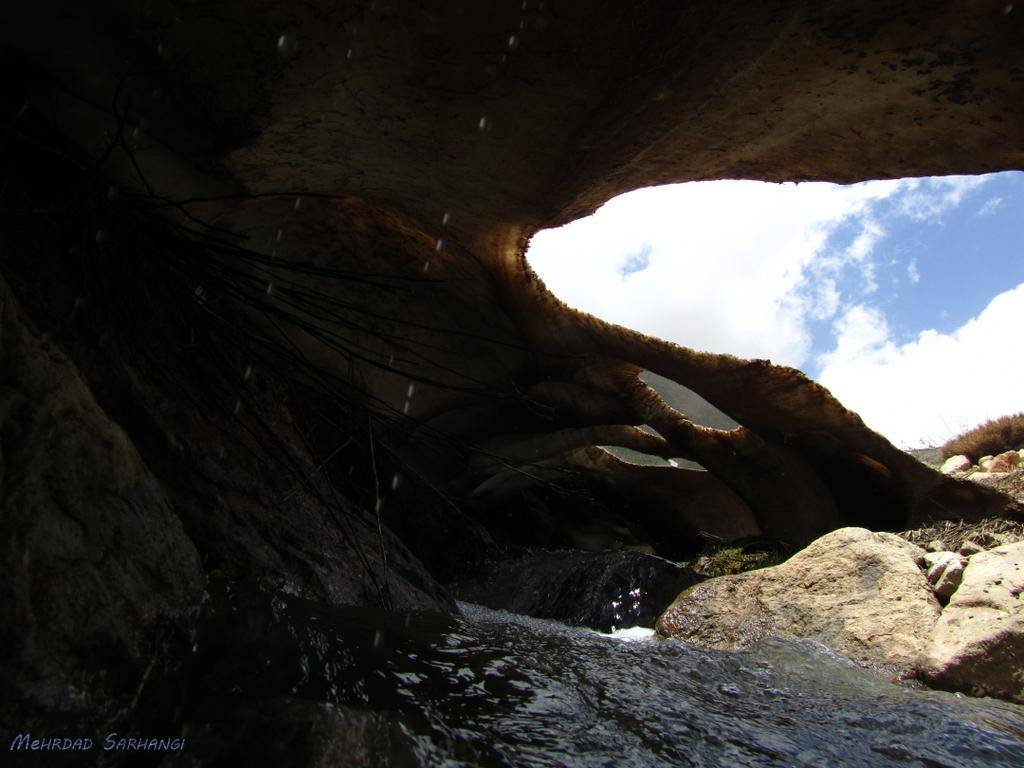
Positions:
(990, 206)
(912, 271)
(748, 268)
(728, 264)
(930, 198)
(938, 385)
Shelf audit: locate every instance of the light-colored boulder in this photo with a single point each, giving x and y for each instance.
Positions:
(970, 547)
(955, 464)
(934, 562)
(984, 461)
(936, 545)
(944, 571)
(858, 592)
(1005, 462)
(986, 478)
(978, 642)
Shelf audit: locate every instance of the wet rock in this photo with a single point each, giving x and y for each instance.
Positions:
(978, 642)
(857, 592)
(955, 464)
(601, 590)
(295, 731)
(93, 556)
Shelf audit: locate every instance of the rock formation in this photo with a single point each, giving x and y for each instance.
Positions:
(867, 596)
(858, 592)
(283, 245)
(978, 642)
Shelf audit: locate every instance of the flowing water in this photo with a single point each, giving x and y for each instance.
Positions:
(492, 688)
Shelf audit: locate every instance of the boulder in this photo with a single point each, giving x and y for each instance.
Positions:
(944, 570)
(953, 464)
(95, 561)
(858, 592)
(984, 461)
(970, 547)
(1005, 462)
(985, 477)
(978, 642)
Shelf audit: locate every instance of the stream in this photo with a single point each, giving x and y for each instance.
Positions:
(493, 688)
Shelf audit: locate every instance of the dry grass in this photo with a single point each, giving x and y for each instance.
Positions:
(992, 437)
(953, 533)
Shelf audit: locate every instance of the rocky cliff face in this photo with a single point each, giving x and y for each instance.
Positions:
(278, 255)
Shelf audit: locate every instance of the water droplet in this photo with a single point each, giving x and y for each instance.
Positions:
(378, 638)
(238, 406)
(504, 58)
(220, 453)
(279, 233)
(1007, 9)
(161, 51)
(287, 44)
(426, 265)
(248, 373)
(270, 288)
(482, 125)
(446, 218)
(405, 408)
(513, 41)
(522, 24)
(394, 482)
(439, 244)
(391, 360)
(298, 203)
(523, 6)
(349, 54)
(411, 390)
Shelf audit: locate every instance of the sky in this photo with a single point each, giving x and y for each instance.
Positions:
(904, 297)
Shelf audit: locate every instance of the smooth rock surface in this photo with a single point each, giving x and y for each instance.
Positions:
(953, 464)
(978, 644)
(858, 592)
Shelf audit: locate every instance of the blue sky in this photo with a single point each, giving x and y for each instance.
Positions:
(904, 297)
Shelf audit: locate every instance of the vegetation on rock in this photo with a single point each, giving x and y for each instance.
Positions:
(993, 437)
